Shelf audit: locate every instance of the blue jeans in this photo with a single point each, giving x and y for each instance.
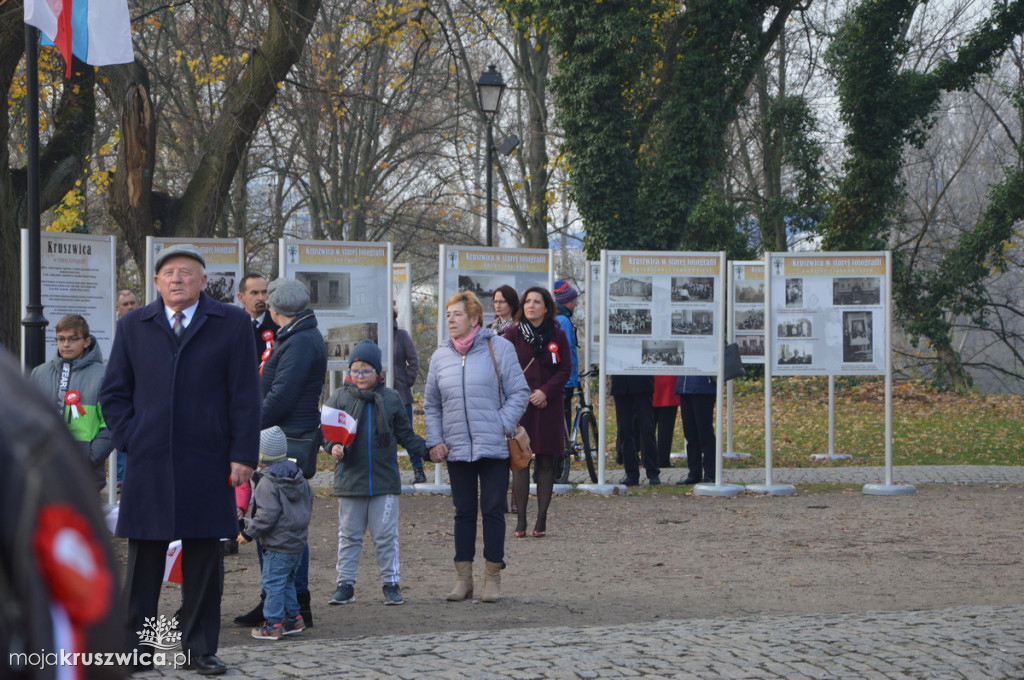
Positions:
(279, 573)
(301, 576)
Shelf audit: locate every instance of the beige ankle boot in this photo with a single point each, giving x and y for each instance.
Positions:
(492, 582)
(463, 582)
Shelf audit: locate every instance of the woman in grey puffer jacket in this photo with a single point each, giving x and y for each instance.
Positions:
(467, 426)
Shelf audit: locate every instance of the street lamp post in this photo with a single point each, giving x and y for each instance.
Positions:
(490, 87)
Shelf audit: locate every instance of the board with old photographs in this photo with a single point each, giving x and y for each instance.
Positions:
(663, 312)
(829, 313)
(345, 281)
(747, 291)
(482, 270)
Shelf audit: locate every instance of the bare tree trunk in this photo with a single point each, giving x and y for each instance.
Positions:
(133, 204)
(949, 362)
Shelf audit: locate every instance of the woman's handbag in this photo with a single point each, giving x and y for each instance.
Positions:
(519, 451)
(733, 362)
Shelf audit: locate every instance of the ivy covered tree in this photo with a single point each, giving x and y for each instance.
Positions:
(886, 106)
(645, 92)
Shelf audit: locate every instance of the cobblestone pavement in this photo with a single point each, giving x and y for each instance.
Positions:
(970, 643)
(963, 642)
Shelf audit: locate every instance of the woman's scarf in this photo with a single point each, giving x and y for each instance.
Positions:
(465, 343)
(537, 336)
(381, 428)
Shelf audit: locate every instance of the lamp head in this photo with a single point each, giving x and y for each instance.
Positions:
(490, 87)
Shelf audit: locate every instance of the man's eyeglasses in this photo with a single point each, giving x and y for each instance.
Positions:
(68, 341)
(356, 373)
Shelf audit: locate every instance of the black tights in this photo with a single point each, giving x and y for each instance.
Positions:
(545, 486)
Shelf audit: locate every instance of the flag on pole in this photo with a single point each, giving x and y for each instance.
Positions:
(96, 31)
(338, 426)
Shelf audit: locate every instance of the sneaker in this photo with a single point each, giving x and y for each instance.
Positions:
(343, 595)
(392, 594)
(293, 626)
(268, 632)
(418, 476)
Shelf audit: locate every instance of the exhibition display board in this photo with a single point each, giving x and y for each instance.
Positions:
(482, 270)
(592, 318)
(78, 275)
(401, 293)
(746, 295)
(347, 283)
(662, 312)
(828, 313)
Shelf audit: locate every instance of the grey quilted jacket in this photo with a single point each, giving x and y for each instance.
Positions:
(461, 399)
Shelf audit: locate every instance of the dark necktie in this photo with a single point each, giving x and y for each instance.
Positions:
(179, 326)
(256, 324)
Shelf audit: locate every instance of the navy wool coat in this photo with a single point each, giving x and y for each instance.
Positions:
(183, 414)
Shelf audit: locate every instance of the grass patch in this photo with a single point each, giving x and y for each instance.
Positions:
(930, 427)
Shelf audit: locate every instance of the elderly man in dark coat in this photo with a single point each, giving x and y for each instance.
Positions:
(181, 397)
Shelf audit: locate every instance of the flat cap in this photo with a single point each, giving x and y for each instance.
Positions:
(179, 250)
(287, 296)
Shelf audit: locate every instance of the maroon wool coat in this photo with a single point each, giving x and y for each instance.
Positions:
(545, 426)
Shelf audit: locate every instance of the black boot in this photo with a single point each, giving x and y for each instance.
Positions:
(304, 609)
(254, 617)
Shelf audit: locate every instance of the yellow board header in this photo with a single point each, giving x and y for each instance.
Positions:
(824, 265)
(503, 261)
(366, 256)
(708, 265)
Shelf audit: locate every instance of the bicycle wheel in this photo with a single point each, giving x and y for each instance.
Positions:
(562, 465)
(588, 432)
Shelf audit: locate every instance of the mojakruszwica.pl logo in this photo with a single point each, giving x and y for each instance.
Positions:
(160, 633)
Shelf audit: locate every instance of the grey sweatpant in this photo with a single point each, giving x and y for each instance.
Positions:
(355, 515)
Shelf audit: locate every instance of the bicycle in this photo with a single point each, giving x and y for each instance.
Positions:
(582, 441)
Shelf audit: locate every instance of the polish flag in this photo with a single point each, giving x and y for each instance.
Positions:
(338, 426)
(172, 564)
(98, 32)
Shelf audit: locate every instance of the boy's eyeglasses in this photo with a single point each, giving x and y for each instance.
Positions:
(356, 373)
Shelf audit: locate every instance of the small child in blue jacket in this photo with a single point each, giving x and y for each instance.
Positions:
(283, 502)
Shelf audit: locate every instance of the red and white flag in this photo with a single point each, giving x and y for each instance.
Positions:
(172, 564)
(96, 31)
(338, 426)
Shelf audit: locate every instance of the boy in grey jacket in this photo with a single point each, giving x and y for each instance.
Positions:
(283, 502)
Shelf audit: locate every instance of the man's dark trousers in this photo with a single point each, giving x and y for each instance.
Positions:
(202, 572)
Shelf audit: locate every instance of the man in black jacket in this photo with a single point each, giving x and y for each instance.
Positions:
(252, 293)
(293, 380)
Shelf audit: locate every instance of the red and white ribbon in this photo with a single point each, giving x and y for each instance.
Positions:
(72, 399)
(553, 348)
(268, 337)
(266, 355)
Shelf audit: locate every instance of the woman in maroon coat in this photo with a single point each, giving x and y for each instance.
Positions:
(543, 352)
